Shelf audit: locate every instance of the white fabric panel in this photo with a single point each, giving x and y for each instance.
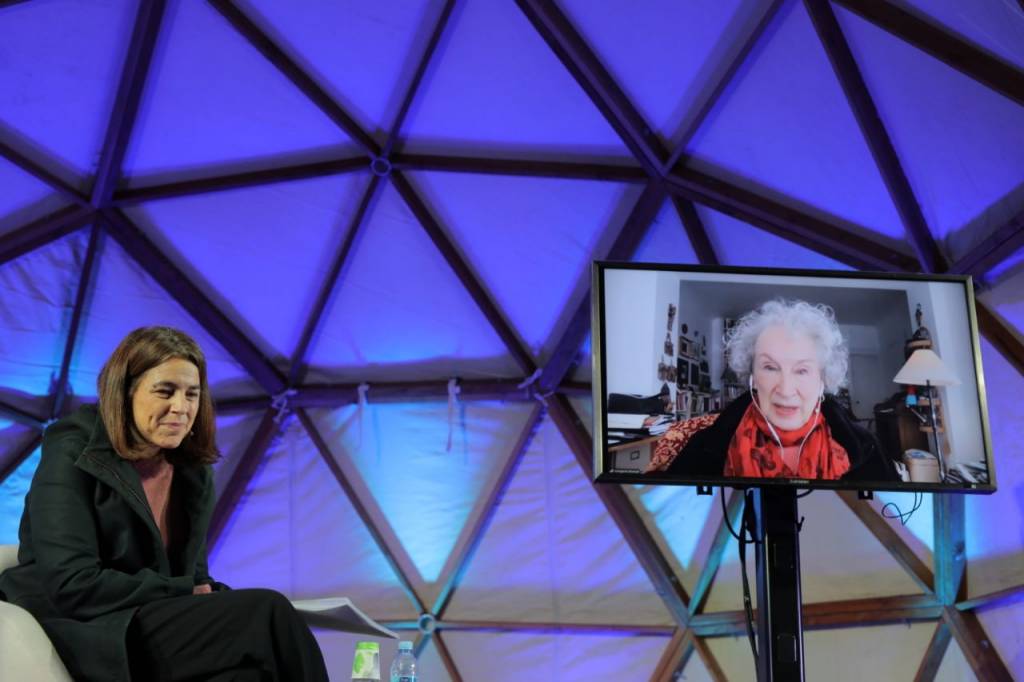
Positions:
(61, 61)
(737, 243)
(995, 523)
(1003, 296)
(995, 527)
(511, 657)
(430, 667)
(9, 431)
(995, 26)
(726, 593)
(666, 240)
(919, 530)
(553, 554)
(496, 85)
(530, 241)
(682, 524)
(784, 124)
(233, 435)
(196, 109)
(584, 369)
(960, 144)
(230, 242)
(38, 292)
(28, 211)
(400, 313)
(14, 487)
(885, 652)
(21, 193)
(361, 52)
(695, 670)
(664, 73)
(955, 668)
(124, 297)
(1012, 266)
(295, 531)
(839, 559)
(428, 495)
(585, 409)
(734, 657)
(1002, 623)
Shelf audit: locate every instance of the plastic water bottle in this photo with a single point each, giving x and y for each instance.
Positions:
(403, 668)
(366, 664)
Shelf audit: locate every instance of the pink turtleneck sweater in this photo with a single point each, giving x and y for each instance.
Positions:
(156, 476)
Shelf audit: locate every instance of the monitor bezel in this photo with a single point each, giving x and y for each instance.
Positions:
(600, 398)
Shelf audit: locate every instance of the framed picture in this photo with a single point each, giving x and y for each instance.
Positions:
(687, 347)
(686, 370)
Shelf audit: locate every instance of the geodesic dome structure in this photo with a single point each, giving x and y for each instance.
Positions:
(378, 218)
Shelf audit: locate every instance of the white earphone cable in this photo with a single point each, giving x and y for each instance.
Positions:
(778, 441)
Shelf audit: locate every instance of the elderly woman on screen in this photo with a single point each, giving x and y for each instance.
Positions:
(112, 556)
(793, 358)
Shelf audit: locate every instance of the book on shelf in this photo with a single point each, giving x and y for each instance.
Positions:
(625, 421)
(632, 434)
(649, 425)
(659, 425)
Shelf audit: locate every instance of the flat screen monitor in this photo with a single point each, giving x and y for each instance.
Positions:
(742, 377)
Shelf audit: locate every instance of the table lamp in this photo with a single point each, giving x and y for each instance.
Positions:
(925, 368)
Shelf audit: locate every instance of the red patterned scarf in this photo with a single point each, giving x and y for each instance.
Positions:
(753, 452)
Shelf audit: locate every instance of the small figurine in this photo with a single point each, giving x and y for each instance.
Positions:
(921, 333)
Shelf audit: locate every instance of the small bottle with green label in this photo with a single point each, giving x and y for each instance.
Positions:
(366, 664)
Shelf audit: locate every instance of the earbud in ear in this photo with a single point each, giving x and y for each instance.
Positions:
(750, 381)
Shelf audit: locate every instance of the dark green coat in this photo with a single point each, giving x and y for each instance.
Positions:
(91, 552)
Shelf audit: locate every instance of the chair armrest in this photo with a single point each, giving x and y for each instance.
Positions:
(26, 653)
(8, 557)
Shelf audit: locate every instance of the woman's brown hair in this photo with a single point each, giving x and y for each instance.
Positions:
(140, 351)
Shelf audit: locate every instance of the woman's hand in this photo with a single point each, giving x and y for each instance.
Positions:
(202, 589)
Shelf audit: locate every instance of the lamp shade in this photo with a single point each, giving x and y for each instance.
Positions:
(925, 367)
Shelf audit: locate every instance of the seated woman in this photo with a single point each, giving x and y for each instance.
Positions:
(789, 424)
(112, 560)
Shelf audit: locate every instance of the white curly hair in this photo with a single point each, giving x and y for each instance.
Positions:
(816, 320)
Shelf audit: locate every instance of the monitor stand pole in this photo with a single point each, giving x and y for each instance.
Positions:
(780, 639)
